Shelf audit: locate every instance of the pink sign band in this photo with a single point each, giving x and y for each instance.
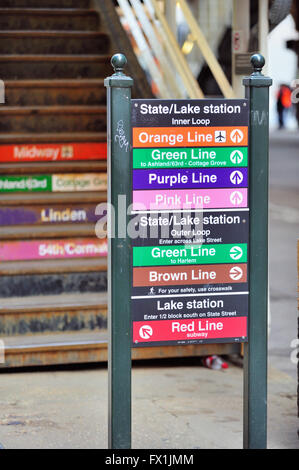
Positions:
(52, 249)
(190, 199)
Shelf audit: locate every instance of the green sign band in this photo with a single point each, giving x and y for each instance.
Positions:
(25, 183)
(54, 183)
(189, 254)
(190, 157)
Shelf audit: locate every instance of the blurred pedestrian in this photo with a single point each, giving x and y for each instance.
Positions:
(283, 103)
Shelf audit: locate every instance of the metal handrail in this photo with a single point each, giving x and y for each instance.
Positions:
(161, 53)
(206, 51)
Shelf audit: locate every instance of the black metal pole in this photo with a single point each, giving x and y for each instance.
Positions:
(119, 255)
(255, 351)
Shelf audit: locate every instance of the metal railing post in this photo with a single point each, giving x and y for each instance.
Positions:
(119, 255)
(255, 351)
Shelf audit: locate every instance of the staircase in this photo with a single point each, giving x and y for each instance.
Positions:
(54, 56)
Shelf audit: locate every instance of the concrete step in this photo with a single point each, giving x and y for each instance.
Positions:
(48, 19)
(54, 283)
(54, 66)
(45, 3)
(64, 266)
(90, 347)
(54, 349)
(49, 231)
(55, 92)
(54, 42)
(53, 313)
(53, 167)
(48, 199)
(60, 137)
(41, 119)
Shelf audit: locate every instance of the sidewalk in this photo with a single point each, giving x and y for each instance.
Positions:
(176, 405)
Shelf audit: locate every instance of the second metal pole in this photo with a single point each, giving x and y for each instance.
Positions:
(255, 351)
(119, 255)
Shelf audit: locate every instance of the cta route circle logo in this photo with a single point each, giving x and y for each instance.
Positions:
(236, 177)
(236, 198)
(236, 273)
(146, 332)
(236, 252)
(236, 157)
(236, 136)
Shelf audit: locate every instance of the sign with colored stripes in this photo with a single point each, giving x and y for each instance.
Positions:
(187, 178)
(54, 183)
(190, 212)
(53, 249)
(189, 136)
(49, 152)
(51, 214)
(188, 254)
(192, 227)
(197, 275)
(194, 157)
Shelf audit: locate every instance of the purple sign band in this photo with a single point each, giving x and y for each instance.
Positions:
(190, 178)
(40, 215)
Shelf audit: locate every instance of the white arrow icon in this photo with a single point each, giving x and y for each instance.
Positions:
(236, 177)
(236, 273)
(236, 157)
(236, 136)
(145, 332)
(236, 252)
(236, 198)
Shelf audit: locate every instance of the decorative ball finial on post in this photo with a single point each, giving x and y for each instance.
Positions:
(118, 62)
(257, 62)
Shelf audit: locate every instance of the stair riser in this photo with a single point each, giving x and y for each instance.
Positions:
(53, 123)
(55, 45)
(51, 69)
(45, 3)
(11, 21)
(76, 353)
(60, 167)
(52, 284)
(55, 96)
(67, 320)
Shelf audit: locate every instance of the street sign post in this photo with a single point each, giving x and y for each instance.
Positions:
(119, 256)
(255, 351)
(193, 257)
